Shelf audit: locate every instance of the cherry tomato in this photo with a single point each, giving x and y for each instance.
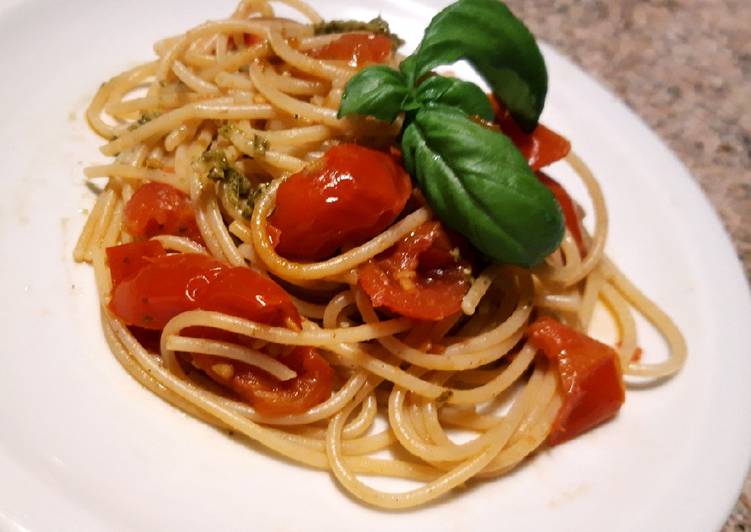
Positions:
(159, 209)
(345, 198)
(167, 286)
(420, 277)
(154, 288)
(266, 394)
(590, 374)
(568, 208)
(541, 147)
(357, 49)
(247, 294)
(126, 260)
(251, 39)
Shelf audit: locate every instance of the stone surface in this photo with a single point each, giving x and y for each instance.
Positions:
(685, 67)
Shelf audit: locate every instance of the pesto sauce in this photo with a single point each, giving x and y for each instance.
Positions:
(258, 144)
(144, 119)
(377, 25)
(239, 188)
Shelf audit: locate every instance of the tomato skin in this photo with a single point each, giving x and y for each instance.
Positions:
(160, 209)
(569, 210)
(419, 277)
(269, 396)
(126, 260)
(541, 148)
(358, 49)
(169, 285)
(590, 374)
(345, 198)
(247, 294)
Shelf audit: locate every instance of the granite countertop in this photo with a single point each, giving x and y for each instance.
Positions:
(685, 67)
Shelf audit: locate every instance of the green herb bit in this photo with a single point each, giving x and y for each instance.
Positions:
(227, 129)
(259, 145)
(144, 119)
(377, 25)
(242, 194)
(253, 197)
(219, 168)
(239, 189)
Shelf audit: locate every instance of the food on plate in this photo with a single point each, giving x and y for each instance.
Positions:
(303, 232)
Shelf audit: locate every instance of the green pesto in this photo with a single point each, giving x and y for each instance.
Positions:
(226, 130)
(239, 189)
(258, 143)
(144, 119)
(377, 25)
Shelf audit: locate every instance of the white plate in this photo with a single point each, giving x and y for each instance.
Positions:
(84, 447)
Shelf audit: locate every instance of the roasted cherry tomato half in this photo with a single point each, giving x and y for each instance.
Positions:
(126, 260)
(247, 294)
(421, 277)
(541, 147)
(164, 287)
(590, 374)
(159, 209)
(344, 199)
(267, 395)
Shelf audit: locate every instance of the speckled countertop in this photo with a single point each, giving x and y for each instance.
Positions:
(685, 67)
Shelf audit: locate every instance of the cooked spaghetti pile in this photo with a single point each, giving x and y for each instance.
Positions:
(271, 268)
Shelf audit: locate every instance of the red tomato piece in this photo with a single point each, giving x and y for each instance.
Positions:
(171, 284)
(357, 49)
(247, 294)
(269, 396)
(541, 147)
(420, 277)
(163, 286)
(152, 289)
(590, 374)
(126, 260)
(251, 39)
(159, 209)
(344, 199)
(569, 210)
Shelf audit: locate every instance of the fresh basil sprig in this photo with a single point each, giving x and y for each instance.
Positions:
(481, 186)
(497, 44)
(474, 177)
(377, 91)
(456, 93)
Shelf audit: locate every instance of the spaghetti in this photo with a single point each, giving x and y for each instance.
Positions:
(255, 90)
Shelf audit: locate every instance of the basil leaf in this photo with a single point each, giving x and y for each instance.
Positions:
(377, 91)
(497, 44)
(456, 93)
(479, 184)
